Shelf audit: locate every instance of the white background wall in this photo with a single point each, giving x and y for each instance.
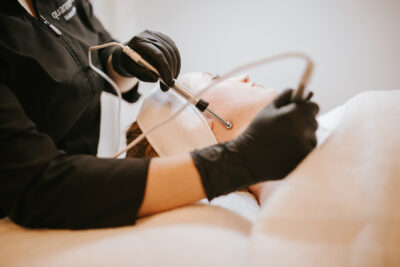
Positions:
(354, 43)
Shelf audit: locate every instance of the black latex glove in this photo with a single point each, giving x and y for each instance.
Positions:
(278, 138)
(157, 49)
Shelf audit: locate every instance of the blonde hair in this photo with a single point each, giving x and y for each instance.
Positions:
(143, 149)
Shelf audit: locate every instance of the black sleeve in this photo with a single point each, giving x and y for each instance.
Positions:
(104, 37)
(41, 186)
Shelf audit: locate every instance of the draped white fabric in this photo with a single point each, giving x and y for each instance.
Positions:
(340, 207)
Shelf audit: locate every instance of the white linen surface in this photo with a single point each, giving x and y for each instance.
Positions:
(196, 235)
(338, 208)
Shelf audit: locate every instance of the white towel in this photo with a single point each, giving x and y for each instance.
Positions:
(341, 206)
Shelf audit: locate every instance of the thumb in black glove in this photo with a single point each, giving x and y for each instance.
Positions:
(278, 138)
(157, 49)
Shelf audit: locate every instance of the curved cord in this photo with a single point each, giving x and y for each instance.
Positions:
(298, 93)
(112, 83)
(303, 82)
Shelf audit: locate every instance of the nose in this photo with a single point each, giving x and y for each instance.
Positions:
(245, 78)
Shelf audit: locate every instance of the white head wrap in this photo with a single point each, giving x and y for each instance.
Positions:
(186, 132)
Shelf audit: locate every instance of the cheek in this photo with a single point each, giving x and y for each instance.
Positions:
(240, 118)
(222, 134)
(240, 110)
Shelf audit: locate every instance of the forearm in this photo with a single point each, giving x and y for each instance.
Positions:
(78, 192)
(41, 186)
(124, 83)
(171, 182)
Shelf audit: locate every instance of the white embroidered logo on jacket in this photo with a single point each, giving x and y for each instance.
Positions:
(67, 8)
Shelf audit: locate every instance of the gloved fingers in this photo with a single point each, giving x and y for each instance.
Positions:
(312, 107)
(167, 52)
(289, 110)
(308, 107)
(163, 87)
(163, 37)
(167, 67)
(145, 75)
(159, 57)
(166, 73)
(146, 34)
(309, 144)
(310, 126)
(283, 98)
(309, 96)
(168, 40)
(312, 123)
(155, 56)
(313, 141)
(156, 48)
(170, 44)
(168, 48)
(174, 62)
(139, 71)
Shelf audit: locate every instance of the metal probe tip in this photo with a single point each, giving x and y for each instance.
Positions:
(227, 124)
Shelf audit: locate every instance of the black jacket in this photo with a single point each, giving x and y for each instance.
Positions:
(49, 122)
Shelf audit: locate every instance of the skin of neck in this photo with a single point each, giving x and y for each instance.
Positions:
(28, 5)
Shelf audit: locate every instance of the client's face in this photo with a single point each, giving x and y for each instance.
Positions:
(237, 100)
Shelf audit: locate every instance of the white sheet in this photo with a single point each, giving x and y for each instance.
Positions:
(196, 235)
(338, 208)
(341, 206)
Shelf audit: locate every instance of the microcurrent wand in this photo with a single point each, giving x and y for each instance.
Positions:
(178, 88)
(297, 95)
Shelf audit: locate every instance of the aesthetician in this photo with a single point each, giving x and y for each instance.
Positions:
(50, 117)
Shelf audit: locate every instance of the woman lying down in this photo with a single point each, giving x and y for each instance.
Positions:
(237, 100)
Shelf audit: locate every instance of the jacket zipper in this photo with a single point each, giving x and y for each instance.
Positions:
(52, 28)
(71, 50)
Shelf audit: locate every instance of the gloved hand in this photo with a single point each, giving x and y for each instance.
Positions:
(157, 49)
(278, 138)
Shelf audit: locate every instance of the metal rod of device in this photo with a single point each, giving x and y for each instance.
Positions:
(227, 124)
(200, 103)
(185, 93)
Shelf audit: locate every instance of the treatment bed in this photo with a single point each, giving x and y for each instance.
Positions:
(339, 207)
